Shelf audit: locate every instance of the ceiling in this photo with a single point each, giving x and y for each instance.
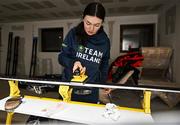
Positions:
(34, 10)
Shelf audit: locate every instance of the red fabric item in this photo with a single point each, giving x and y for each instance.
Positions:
(133, 58)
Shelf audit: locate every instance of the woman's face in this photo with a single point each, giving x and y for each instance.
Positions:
(92, 24)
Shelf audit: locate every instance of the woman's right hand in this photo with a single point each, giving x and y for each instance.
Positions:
(77, 65)
(107, 90)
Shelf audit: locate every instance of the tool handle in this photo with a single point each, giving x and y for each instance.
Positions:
(77, 72)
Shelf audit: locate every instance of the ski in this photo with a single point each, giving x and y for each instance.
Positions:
(15, 55)
(9, 52)
(33, 58)
(96, 85)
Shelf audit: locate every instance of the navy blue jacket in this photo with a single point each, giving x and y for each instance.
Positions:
(94, 56)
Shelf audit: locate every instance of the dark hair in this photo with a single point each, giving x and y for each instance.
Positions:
(92, 9)
(95, 9)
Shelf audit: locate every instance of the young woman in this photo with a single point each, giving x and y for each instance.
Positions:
(87, 48)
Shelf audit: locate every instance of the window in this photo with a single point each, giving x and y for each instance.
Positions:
(51, 39)
(135, 36)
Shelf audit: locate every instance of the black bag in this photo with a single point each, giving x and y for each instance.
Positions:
(122, 71)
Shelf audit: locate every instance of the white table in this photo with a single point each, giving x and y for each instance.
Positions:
(76, 111)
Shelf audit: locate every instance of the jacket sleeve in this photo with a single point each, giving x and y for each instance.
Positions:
(105, 65)
(67, 55)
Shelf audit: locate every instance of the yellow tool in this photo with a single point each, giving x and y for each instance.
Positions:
(65, 91)
(14, 92)
(147, 101)
(78, 76)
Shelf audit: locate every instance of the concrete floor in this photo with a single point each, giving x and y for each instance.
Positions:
(161, 113)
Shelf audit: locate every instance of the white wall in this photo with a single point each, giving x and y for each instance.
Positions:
(171, 39)
(177, 45)
(111, 25)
